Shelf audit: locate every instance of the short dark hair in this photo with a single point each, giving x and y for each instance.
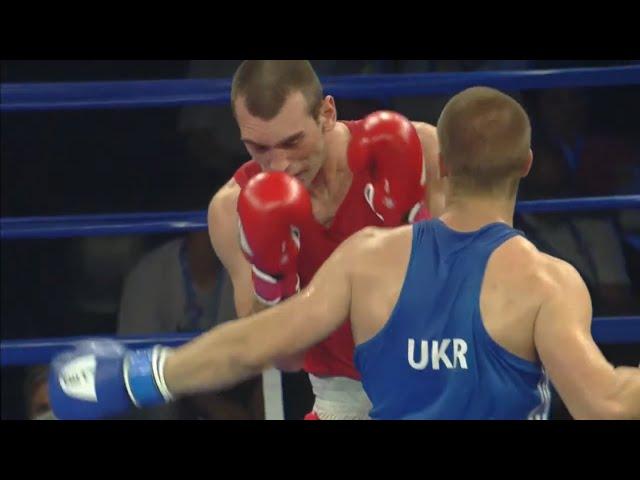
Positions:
(266, 84)
(485, 138)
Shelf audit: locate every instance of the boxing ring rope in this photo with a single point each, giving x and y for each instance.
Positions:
(174, 93)
(30, 352)
(180, 222)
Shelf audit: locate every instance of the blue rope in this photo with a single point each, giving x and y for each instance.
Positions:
(174, 93)
(179, 222)
(605, 330)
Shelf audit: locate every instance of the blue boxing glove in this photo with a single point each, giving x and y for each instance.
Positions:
(102, 378)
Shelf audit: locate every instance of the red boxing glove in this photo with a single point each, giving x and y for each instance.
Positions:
(273, 209)
(388, 147)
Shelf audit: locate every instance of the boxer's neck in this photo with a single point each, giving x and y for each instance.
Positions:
(331, 185)
(334, 176)
(469, 213)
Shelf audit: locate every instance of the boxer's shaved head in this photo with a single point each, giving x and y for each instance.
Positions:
(485, 141)
(282, 116)
(265, 85)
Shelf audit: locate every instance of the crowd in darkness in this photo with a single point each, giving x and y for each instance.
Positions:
(585, 143)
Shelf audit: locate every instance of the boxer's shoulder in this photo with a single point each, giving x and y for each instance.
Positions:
(222, 220)
(517, 258)
(426, 131)
(428, 135)
(557, 276)
(527, 271)
(223, 204)
(374, 249)
(379, 237)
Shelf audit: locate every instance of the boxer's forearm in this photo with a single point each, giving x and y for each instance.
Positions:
(213, 361)
(293, 363)
(627, 393)
(258, 306)
(240, 349)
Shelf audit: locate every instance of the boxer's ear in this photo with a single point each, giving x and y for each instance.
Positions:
(328, 114)
(527, 166)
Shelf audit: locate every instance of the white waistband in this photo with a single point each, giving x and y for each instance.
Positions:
(339, 398)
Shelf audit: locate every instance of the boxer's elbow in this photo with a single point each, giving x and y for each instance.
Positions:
(616, 411)
(424, 128)
(260, 357)
(620, 402)
(293, 363)
(610, 410)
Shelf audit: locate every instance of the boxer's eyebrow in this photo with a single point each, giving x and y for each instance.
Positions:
(289, 139)
(253, 144)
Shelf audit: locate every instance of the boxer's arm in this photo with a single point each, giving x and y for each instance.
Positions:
(435, 191)
(222, 221)
(588, 384)
(243, 348)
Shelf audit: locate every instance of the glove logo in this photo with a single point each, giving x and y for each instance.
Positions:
(295, 235)
(369, 192)
(77, 378)
(244, 245)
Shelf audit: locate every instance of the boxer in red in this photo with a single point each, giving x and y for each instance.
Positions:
(272, 235)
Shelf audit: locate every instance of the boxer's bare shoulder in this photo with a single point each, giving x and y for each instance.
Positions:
(222, 221)
(428, 134)
(528, 272)
(225, 199)
(589, 385)
(435, 197)
(513, 288)
(376, 253)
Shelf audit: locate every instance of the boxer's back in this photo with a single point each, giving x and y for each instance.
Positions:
(446, 333)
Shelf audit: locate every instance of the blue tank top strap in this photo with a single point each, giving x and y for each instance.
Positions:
(486, 239)
(472, 248)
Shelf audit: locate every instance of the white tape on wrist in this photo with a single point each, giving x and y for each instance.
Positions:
(160, 355)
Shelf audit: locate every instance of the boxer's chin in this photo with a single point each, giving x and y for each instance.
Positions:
(304, 177)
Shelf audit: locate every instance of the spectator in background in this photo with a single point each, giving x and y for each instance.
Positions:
(36, 391)
(428, 107)
(179, 287)
(601, 161)
(209, 131)
(417, 66)
(96, 267)
(592, 242)
(182, 287)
